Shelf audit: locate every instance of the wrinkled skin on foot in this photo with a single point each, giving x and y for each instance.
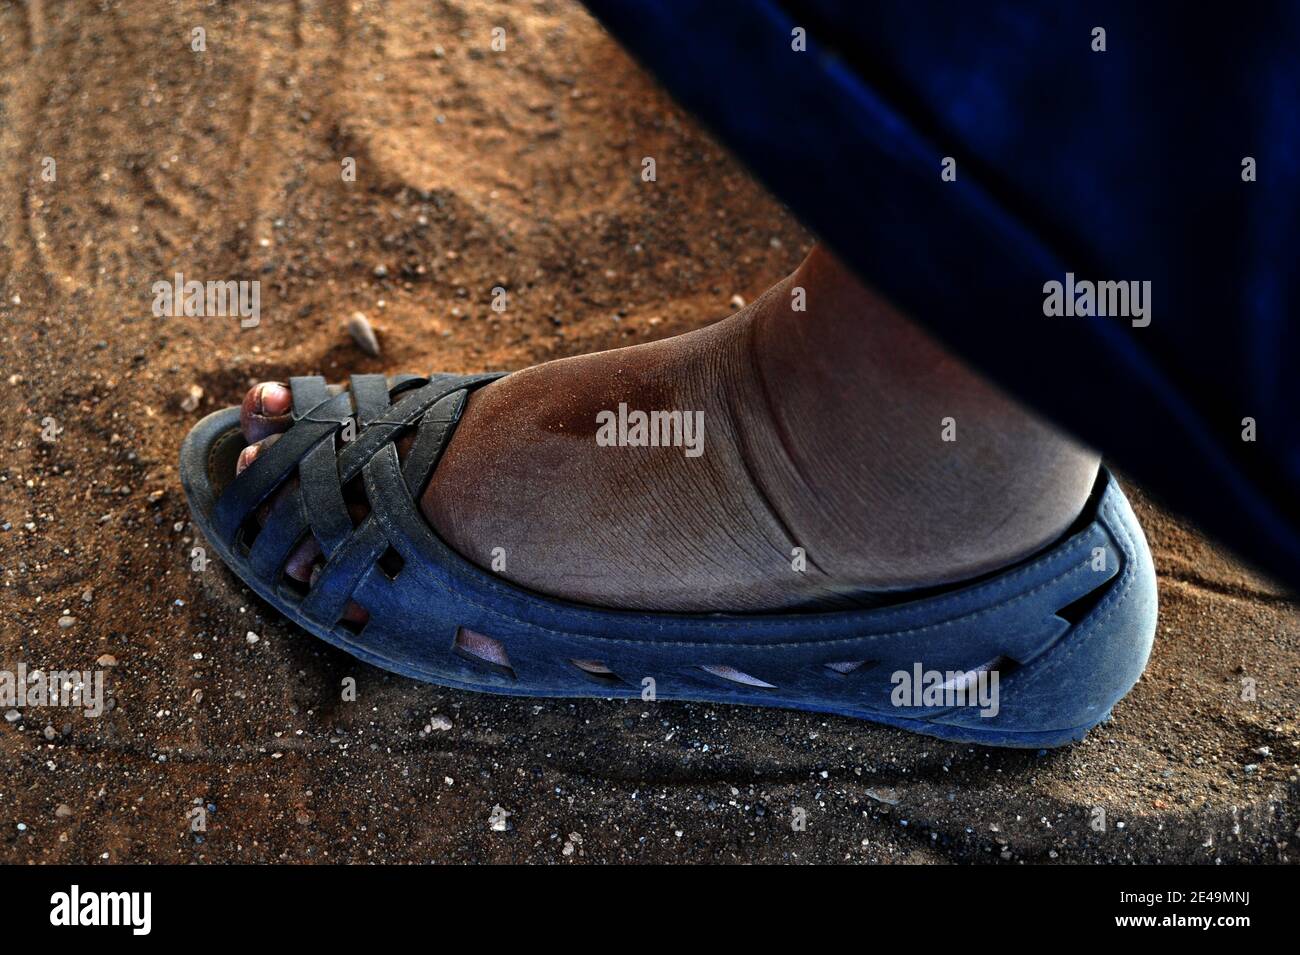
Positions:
(824, 430)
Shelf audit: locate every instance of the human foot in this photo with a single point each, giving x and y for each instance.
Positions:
(1071, 625)
(825, 434)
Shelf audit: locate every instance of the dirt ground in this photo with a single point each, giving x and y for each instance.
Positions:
(475, 168)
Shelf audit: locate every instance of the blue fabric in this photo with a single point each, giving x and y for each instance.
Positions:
(1116, 165)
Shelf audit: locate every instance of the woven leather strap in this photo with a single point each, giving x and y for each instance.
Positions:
(314, 451)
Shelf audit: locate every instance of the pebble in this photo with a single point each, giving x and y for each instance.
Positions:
(88, 595)
(737, 301)
(13, 716)
(107, 660)
(66, 621)
(64, 811)
(50, 733)
(251, 637)
(363, 334)
(440, 723)
(191, 400)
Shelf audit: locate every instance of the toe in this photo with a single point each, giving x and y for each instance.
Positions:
(246, 458)
(304, 560)
(250, 453)
(266, 410)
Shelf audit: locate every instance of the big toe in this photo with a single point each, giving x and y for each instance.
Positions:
(266, 410)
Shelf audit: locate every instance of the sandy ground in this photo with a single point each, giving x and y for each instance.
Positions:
(475, 168)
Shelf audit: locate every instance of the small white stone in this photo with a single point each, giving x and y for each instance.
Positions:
(192, 397)
(363, 334)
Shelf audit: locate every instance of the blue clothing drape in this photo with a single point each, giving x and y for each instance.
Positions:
(1122, 165)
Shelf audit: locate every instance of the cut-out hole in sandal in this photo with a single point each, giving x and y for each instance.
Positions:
(400, 435)
(1004, 666)
(597, 671)
(247, 533)
(354, 495)
(391, 563)
(736, 676)
(483, 650)
(352, 626)
(851, 666)
(1074, 612)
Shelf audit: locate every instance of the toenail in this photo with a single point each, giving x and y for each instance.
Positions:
(246, 457)
(272, 399)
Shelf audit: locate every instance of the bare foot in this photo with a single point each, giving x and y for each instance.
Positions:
(813, 458)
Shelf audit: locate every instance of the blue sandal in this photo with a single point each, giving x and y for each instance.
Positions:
(1034, 655)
